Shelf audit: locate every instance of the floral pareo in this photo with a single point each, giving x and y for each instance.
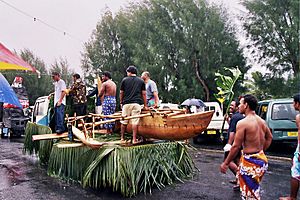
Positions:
(108, 108)
(295, 170)
(251, 170)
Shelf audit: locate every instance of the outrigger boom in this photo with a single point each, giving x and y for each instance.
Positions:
(158, 124)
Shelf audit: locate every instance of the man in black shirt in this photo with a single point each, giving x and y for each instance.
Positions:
(132, 96)
(236, 116)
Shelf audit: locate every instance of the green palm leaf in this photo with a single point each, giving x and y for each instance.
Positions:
(129, 170)
(225, 85)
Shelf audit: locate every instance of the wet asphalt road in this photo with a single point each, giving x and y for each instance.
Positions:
(23, 178)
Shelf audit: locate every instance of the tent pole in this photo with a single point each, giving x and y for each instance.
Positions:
(1, 113)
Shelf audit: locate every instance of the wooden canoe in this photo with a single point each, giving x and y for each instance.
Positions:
(173, 127)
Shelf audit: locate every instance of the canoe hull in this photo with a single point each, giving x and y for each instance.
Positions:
(179, 127)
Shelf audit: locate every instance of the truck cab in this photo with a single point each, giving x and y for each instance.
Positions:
(214, 128)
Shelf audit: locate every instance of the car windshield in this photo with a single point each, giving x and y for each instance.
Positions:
(284, 111)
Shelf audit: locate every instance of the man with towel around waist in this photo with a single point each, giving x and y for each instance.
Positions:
(254, 135)
(108, 89)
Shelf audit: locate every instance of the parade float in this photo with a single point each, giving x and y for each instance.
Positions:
(87, 155)
(98, 160)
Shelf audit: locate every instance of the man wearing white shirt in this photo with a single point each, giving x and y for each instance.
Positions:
(59, 102)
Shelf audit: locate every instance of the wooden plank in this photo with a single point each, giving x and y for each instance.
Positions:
(175, 113)
(101, 131)
(168, 109)
(49, 136)
(118, 115)
(99, 84)
(70, 145)
(73, 119)
(87, 141)
(96, 144)
(121, 118)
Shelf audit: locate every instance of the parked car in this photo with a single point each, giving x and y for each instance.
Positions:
(280, 116)
(214, 129)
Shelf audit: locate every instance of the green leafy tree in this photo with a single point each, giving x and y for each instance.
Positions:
(62, 66)
(273, 27)
(181, 43)
(265, 86)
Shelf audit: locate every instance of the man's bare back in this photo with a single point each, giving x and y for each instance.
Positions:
(109, 88)
(254, 132)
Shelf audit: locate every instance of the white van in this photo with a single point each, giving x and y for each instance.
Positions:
(40, 111)
(215, 126)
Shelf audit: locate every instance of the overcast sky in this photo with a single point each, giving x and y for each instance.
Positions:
(77, 18)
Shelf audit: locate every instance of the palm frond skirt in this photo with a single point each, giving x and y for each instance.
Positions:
(128, 170)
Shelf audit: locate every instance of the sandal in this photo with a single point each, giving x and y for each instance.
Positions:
(136, 142)
(233, 182)
(236, 188)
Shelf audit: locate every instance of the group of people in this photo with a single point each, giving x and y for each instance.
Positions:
(248, 134)
(248, 139)
(135, 93)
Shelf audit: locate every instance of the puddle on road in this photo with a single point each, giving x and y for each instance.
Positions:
(11, 174)
(4, 183)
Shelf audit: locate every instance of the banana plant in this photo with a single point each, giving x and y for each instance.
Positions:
(225, 85)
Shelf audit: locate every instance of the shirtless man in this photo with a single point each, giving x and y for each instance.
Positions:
(253, 134)
(295, 170)
(108, 90)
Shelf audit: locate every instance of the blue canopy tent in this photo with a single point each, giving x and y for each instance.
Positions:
(7, 95)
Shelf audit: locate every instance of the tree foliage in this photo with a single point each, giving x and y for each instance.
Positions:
(62, 66)
(273, 27)
(269, 85)
(181, 43)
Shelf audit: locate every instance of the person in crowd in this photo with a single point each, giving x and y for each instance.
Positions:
(78, 94)
(108, 91)
(132, 96)
(59, 102)
(295, 170)
(151, 90)
(95, 92)
(236, 116)
(255, 137)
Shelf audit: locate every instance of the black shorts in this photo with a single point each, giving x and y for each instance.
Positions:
(237, 157)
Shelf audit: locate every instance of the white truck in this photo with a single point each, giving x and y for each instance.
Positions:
(40, 111)
(214, 128)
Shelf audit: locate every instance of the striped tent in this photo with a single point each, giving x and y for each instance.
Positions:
(9, 61)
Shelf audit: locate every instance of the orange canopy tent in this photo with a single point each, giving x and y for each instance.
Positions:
(9, 61)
